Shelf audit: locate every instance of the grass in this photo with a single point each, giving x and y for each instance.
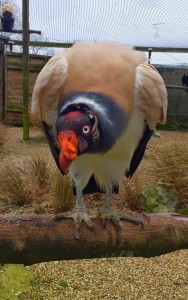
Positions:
(132, 189)
(35, 179)
(165, 163)
(3, 138)
(25, 179)
(62, 197)
(14, 184)
(171, 168)
(15, 282)
(40, 165)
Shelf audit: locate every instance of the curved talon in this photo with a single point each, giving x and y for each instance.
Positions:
(105, 222)
(64, 215)
(132, 219)
(109, 214)
(77, 233)
(78, 215)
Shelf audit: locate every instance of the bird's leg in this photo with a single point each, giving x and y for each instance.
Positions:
(108, 213)
(78, 214)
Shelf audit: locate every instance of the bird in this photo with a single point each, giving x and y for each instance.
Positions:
(184, 81)
(99, 103)
(7, 17)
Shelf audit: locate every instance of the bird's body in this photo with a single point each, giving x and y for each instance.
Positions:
(7, 14)
(99, 103)
(108, 168)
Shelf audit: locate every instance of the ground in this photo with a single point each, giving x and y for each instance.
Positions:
(163, 277)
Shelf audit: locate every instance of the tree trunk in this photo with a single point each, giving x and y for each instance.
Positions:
(29, 239)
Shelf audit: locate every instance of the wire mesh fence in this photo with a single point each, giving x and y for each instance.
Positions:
(145, 24)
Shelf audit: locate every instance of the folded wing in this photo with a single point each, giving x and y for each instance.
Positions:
(48, 87)
(151, 94)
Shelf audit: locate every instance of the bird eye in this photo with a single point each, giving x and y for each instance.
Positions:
(86, 129)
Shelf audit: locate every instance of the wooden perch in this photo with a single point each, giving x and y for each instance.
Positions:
(177, 87)
(29, 239)
(20, 31)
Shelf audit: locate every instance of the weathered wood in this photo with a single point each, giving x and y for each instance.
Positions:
(21, 31)
(14, 83)
(177, 87)
(25, 26)
(3, 41)
(67, 45)
(44, 44)
(29, 239)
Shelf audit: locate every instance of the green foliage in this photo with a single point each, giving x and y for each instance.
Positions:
(15, 281)
(63, 283)
(184, 211)
(156, 199)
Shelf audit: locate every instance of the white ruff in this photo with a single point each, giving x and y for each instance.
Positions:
(90, 102)
(86, 101)
(110, 167)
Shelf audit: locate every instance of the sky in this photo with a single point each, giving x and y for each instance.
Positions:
(149, 23)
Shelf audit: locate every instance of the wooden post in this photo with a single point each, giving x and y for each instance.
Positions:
(149, 55)
(3, 41)
(25, 17)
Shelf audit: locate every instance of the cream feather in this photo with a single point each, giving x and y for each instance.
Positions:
(151, 94)
(48, 85)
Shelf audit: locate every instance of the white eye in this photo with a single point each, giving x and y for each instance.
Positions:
(86, 129)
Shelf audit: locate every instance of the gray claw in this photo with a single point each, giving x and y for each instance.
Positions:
(93, 229)
(132, 219)
(105, 222)
(78, 216)
(77, 233)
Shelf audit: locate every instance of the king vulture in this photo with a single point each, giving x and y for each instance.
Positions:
(7, 14)
(99, 104)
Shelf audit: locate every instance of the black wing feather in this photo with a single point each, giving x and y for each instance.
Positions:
(139, 152)
(54, 149)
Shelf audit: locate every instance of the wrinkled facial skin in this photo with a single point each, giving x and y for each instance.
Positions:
(74, 131)
(81, 124)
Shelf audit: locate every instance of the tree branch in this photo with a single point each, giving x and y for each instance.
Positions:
(29, 239)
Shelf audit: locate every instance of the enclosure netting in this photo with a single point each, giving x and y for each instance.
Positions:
(140, 23)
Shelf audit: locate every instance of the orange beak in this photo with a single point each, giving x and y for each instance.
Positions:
(68, 143)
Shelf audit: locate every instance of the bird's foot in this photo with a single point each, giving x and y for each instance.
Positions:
(78, 214)
(132, 219)
(109, 214)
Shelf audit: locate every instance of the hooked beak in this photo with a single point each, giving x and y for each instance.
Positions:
(68, 143)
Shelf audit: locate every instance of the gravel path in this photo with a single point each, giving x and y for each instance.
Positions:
(164, 277)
